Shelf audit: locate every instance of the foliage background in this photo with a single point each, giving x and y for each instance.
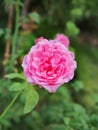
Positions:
(75, 105)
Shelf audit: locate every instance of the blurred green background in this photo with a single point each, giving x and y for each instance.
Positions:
(75, 105)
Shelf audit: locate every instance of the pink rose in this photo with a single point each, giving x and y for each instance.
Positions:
(39, 39)
(62, 39)
(49, 64)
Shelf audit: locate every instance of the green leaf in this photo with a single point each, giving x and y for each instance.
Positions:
(1, 31)
(72, 29)
(77, 85)
(66, 120)
(19, 3)
(32, 98)
(72, 49)
(17, 86)
(95, 97)
(15, 75)
(77, 13)
(35, 17)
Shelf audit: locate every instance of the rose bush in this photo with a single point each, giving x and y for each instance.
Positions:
(49, 63)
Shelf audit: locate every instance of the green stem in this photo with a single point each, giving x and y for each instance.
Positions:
(10, 105)
(15, 36)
